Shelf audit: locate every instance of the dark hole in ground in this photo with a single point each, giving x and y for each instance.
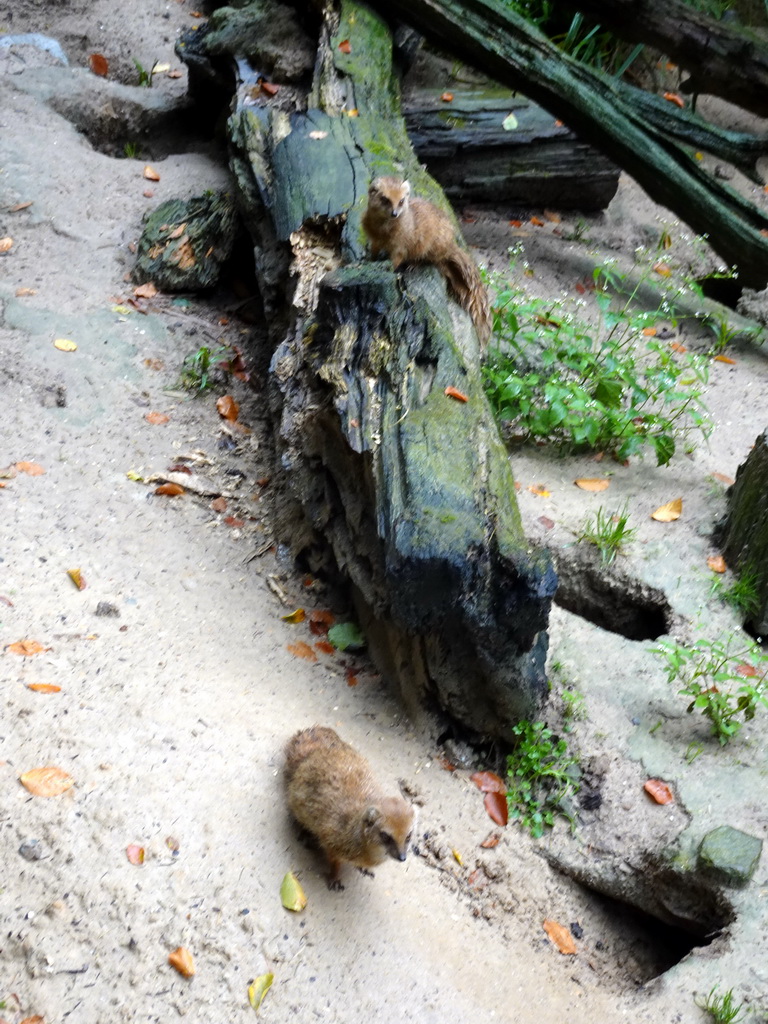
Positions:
(726, 290)
(614, 602)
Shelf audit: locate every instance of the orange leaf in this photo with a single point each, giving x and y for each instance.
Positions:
(145, 291)
(725, 359)
(155, 418)
(452, 392)
(662, 269)
(301, 650)
(234, 522)
(716, 563)
(171, 489)
(539, 490)
(561, 937)
(77, 578)
(30, 468)
(6, 601)
(488, 782)
(345, 46)
(6, 244)
(48, 781)
(148, 193)
(219, 505)
(350, 676)
(21, 206)
(677, 347)
(516, 223)
(676, 98)
(320, 621)
(722, 478)
(98, 64)
(151, 174)
(37, 1019)
(649, 332)
(26, 647)
(745, 670)
(447, 97)
(537, 221)
(175, 73)
(298, 616)
(496, 806)
(668, 513)
(324, 647)
(546, 522)
(659, 791)
(593, 483)
(269, 88)
(135, 853)
(181, 960)
(228, 408)
(491, 841)
(43, 688)
(552, 217)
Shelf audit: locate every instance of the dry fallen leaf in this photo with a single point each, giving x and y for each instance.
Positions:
(6, 601)
(560, 936)
(145, 291)
(23, 292)
(259, 988)
(37, 1019)
(171, 489)
(135, 853)
(716, 563)
(234, 522)
(649, 332)
(491, 841)
(345, 46)
(725, 359)
(301, 650)
(269, 88)
(228, 408)
(447, 97)
(48, 781)
(77, 578)
(26, 648)
(151, 174)
(546, 522)
(320, 621)
(659, 791)
(65, 345)
(21, 206)
(745, 670)
(497, 807)
(292, 896)
(181, 960)
(662, 269)
(43, 688)
(668, 513)
(156, 418)
(674, 97)
(298, 616)
(593, 483)
(722, 478)
(175, 73)
(539, 490)
(219, 505)
(453, 392)
(99, 64)
(30, 468)
(5, 244)
(318, 135)
(488, 782)
(324, 647)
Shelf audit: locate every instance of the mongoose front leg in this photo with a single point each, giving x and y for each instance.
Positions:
(334, 879)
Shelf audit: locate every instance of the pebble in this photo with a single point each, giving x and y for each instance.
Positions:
(31, 849)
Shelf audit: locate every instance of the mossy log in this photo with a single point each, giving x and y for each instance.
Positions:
(384, 478)
(538, 162)
(744, 535)
(648, 137)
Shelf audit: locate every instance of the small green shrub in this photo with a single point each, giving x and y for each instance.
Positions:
(741, 594)
(725, 680)
(197, 368)
(608, 531)
(721, 1009)
(541, 776)
(610, 387)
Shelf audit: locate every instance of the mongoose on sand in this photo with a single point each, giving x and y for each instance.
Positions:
(333, 794)
(413, 230)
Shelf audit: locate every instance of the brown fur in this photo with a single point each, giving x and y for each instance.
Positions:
(413, 230)
(333, 794)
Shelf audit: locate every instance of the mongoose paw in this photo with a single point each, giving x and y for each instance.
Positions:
(335, 885)
(365, 871)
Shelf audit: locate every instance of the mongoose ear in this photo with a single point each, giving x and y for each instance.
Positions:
(374, 186)
(371, 816)
(406, 188)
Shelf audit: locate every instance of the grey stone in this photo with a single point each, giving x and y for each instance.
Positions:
(730, 855)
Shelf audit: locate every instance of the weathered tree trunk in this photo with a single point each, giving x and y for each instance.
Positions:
(385, 478)
(744, 537)
(722, 58)
(474, 158)
(642, 133)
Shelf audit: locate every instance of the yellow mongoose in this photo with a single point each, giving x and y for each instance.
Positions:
(413, 230)
(332, 793)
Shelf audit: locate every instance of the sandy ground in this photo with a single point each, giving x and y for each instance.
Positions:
(172, 713)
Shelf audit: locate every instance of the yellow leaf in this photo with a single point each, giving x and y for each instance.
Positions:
(298, 616)
(159, 69)
(181, 960)
(662, 269)
(593, 483)
(669, 512)
(48, 781)
(65, 345)
(133, 475)
(539, 490)
(560, 936)
(77, 578)
(122, 310)
(259, 988)
(5, 244)
(458, 858)
(292, 895)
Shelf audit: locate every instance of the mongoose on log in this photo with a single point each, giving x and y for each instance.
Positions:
(413, 230)
(333, 794)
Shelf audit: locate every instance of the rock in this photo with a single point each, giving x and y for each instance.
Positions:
(729, 855)
(185, 242)
(31, 849)
(108, 610)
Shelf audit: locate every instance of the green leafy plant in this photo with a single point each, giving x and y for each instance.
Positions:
(541, 777)
(721, 1009)
(726, 680)
(131, 150)
(742, 593)
(610, 387)
(608, 531)
(574, 706)
(197, 368)
(145, 77)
